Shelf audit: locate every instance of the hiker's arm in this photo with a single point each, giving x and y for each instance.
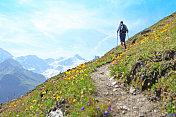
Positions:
(127, 29)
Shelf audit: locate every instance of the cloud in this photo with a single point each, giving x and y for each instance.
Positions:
(61, 20)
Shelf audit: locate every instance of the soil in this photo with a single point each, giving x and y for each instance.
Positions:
(122, 102)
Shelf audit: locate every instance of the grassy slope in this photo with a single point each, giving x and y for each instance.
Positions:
(148, 65)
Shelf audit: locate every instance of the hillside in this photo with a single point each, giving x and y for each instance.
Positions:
(16, 81)
(148, 66)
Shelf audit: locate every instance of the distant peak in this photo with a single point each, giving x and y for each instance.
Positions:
(11, 62)
(79, 57)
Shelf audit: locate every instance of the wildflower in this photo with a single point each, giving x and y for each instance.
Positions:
(106, 112)
(34, 100)
(174, 114)
(37, 112)
(170, 115)
(14, 105)
(44, 111)
(73, 78)
(31, 107)
(77, 71)
(82, 108)
(109, 109)
(9, 106)
(74, 100)
(148, 84)
(173, 107)
(82, 78)
(98, 108)
(58, 97)
(142, 42)
(85, 75)
(44, 92)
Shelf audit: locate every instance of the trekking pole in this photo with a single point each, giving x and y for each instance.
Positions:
(117, 38)
(128, 36)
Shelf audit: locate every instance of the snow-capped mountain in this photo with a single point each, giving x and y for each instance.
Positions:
(33, 63)
(62, 64)
(49, 67)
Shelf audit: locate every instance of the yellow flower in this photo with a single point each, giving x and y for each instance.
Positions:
(73, 78)
(82, 78)
(14, 105)
(85, 75)
(31, 107)
(60, 91)
(77, 71)
(9, 106)
(173, 107)
(58, 97)
(44, 92)
(34, 100)
(74, 100)
(142, 42)
(81, 71)
(148, 84)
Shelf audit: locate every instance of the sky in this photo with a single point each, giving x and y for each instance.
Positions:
(63, 28)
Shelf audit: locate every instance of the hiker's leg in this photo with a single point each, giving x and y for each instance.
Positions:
(124, 44)
(121, 39)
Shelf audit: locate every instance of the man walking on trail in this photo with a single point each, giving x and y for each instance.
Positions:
(123, 29)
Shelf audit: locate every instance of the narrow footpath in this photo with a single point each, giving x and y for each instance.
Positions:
(122, 102)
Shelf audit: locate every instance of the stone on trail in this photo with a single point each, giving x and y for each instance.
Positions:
(132, 90)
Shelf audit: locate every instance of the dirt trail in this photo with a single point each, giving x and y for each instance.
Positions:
(123, 103)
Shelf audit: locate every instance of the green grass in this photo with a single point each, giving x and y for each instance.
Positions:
(147, 65)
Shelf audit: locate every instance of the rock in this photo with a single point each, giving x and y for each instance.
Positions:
(132, 90)
(106, 93)
(125, 107)
(57, 113)
(114, 90)
(123, 84)
(116, 86)
(113, 83)
(111, 78)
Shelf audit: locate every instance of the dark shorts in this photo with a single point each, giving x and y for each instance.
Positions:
(122, 37)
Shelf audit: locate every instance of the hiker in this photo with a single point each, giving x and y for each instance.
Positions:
(123, 29)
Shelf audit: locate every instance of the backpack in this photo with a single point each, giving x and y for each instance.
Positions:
(123, 30)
